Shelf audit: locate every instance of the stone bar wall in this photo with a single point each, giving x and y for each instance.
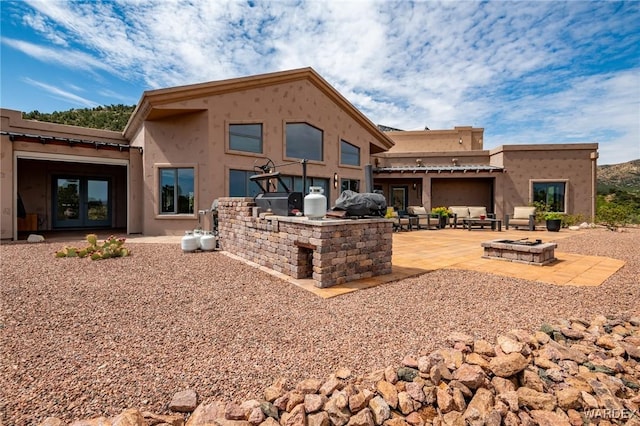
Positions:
(331, 251)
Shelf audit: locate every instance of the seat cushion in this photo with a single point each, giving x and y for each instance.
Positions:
(477, 211)
(416, 210)
(461, 211)
(523, 212)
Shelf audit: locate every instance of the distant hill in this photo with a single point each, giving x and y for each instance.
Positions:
(108, 117)
(624, 176)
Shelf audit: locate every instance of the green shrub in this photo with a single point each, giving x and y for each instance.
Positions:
(614, 215)
(573, 219)
(441, 211)
(553, 216)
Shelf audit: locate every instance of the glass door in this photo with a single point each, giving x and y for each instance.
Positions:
(80, 202)
(399, 198)
(97, 202)
(67, 203)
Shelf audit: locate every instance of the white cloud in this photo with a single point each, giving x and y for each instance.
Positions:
(70, 59)
(62, 94)
(527, 70)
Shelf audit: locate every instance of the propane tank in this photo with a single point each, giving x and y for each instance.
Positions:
(198, 234)
(208, 241)
(315, 203)
(188, 242)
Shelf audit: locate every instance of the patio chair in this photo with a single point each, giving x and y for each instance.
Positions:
(400, 221)
(459, 214)
(424, 219)
(523, 216)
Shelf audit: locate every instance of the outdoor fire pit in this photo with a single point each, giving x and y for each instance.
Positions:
(522, 251)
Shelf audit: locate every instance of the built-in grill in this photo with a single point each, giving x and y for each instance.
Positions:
(285, 203)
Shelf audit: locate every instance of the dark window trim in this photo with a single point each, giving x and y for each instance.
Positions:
(246, 123)
(565, 182)
(342, 163)
(322, 140)
(175, 213)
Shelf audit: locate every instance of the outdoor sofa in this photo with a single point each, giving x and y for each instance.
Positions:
(460, 213)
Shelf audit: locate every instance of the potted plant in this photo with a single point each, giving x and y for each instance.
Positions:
(554, 221)
(443, 214)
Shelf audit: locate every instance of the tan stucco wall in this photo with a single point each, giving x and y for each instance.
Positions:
(571, 162)
(462, 158)
(522, 164)
(460, 138)
(6, 187)
(39, 185)
(200, 139)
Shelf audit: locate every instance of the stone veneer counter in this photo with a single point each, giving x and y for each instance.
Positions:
(330, 251)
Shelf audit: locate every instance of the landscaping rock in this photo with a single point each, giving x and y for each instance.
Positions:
(471, 376)
(184, 401)
(508, 365)
(523, 379)
(379, 409)
(535, 400)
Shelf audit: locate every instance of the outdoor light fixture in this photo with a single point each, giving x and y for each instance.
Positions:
(335, 180)
(419, 162)
(460, 141)
(415, 185)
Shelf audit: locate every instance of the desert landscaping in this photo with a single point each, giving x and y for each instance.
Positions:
(80, 339)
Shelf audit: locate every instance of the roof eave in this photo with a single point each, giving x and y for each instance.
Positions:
(153, 98)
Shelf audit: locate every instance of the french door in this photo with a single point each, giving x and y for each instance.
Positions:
(81, 202)
(399, 197)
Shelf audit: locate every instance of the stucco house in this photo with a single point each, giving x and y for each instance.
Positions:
(186, 146)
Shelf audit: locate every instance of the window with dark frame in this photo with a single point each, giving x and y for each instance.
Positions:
(177, 194)
(304, 141)
(350, 184)
(294, 183)
(551, 194)
(245, 137)
(349, 154)
(240, 185)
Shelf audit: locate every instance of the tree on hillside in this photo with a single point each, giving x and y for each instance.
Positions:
(108, 117)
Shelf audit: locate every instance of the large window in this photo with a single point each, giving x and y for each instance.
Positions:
(294, 183)
(349, 154)
(241, 186)
(552, 194)
(245, 137)
(177, 190)
(304, 141)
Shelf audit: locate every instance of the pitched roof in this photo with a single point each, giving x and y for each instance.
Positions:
(152, 98)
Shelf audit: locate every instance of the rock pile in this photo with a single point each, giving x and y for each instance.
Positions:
(572, 372)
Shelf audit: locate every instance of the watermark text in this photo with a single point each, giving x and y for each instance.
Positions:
(611, 413)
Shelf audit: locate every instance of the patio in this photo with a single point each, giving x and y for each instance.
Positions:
(424, 251)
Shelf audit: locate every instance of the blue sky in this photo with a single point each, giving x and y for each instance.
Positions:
(527, 72)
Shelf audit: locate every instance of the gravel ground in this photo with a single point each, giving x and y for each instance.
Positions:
(81, 339)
